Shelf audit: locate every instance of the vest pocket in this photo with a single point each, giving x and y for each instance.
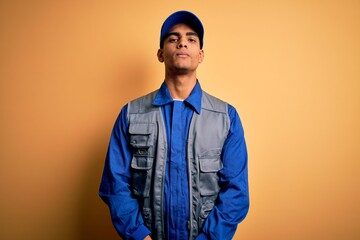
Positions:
(147, 216)
(141, 135)
(141, 141)
(209, 179)
(141, 177)
(206, 207)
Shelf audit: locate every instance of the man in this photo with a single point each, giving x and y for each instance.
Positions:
(176, 166)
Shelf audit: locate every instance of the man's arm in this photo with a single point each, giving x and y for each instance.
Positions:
(232, 204)
(115, 187)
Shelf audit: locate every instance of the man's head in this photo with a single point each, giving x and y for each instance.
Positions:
(182, 17)
(181, 43)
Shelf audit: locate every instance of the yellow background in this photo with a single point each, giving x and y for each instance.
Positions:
(291, 68)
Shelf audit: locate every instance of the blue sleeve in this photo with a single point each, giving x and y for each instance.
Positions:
(232, 204)
(115, 187)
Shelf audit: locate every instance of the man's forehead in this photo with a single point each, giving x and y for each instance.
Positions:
(177, 27)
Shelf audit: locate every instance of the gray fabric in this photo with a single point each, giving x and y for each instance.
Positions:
(207, 134)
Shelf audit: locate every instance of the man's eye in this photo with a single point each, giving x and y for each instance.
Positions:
(172, 40)
(192, 40)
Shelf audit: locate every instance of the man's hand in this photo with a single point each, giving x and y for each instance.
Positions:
(147, 238)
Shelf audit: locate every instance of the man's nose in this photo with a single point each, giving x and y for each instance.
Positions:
(182, 43)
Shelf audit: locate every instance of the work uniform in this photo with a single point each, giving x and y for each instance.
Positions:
(176, 169)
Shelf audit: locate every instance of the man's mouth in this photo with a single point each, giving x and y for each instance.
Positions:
(182, 55)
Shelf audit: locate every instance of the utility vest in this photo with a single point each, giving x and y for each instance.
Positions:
(207, 133)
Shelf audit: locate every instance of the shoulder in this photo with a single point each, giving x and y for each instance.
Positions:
(142, 104)
(215, 104)
(212, 103)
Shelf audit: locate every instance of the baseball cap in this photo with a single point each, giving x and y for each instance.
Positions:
(185, 17)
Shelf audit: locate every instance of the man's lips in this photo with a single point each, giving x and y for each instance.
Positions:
(182, 54)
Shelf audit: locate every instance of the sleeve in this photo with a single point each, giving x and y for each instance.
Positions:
(115, 187)
(232, 204)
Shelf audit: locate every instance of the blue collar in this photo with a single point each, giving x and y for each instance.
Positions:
(163, 97)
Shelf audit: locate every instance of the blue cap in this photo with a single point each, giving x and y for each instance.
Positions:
(185, 17)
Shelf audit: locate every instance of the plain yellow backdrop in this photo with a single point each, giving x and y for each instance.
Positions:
(291, 68)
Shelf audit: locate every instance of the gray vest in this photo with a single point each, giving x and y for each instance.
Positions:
(207, 133)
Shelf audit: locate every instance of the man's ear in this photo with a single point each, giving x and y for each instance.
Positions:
(201, 58)
(160, 55)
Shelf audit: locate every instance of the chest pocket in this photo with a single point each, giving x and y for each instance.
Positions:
(142, 141)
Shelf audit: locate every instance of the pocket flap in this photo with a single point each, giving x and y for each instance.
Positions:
(141, 134)
(210, 164)
(141, 128)
(142, 163)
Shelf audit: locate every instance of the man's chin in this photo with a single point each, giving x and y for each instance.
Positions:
(183, 68)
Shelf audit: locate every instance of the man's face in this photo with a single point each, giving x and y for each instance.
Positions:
(181, 51)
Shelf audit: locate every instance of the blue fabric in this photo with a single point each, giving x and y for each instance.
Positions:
(177, 116)
(233, 202)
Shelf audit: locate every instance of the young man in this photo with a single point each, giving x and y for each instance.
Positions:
(176, 166)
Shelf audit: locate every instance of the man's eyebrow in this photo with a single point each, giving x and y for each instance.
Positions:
(178, 34)
(191, 34)
(173, 33)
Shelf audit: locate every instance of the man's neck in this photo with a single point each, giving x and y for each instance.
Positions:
(180, 86)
